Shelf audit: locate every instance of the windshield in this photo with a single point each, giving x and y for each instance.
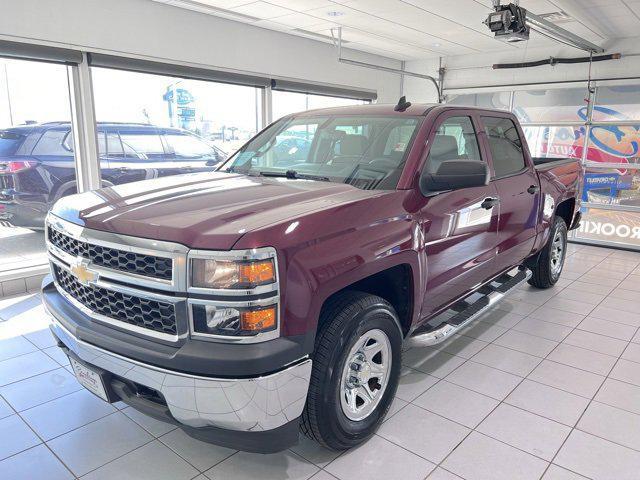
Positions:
(9, 142)
(364, 151)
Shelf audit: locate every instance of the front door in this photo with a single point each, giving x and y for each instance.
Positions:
(459, 227)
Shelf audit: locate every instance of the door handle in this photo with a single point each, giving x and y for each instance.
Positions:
(490, 202)
(533, 189)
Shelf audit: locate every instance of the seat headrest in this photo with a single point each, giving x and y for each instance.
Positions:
(444, 147)
(353, 145)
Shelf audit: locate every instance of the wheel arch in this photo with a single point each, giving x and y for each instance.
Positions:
(395, 284)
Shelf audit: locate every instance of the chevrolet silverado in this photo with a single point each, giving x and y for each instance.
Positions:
(276, 295)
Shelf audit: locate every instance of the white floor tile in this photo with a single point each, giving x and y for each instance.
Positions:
(482, 379)
(71, 411)
(200, 454)
(482, 458)
(567, 378)
(39, 389)
(597, 458)
(251, 466)
(36, 463)
(408, 429)
(98, 443)
(377, 459)
(15, 436)
(153, 461)
(524, 430)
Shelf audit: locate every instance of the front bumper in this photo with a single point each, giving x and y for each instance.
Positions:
(233, 412)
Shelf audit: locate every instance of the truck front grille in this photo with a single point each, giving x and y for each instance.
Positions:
(129, 262)
(141, 312)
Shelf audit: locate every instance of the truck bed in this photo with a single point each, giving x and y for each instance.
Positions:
(544, 163)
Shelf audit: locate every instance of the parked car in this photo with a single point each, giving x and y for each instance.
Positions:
(248, 303)
(37, 167)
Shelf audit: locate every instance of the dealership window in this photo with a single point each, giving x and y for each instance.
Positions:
(611, 191)
(159, 125)
(284, 103)
(36, 164)
(500, 100)
(551, 105)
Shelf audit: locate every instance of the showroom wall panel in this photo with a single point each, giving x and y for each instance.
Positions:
(149, 29)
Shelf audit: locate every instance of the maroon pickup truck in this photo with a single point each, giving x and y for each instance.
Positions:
(277, 294)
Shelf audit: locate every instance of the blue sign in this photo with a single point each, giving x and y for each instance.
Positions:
(183, 97)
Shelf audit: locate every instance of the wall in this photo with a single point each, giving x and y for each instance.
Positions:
(468, 71)
(149, 29)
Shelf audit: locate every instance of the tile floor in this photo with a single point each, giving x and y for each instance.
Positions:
(545, 386)
(20, 247)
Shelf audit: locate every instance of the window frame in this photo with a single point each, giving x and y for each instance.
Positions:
(526, 157)
(475, 124)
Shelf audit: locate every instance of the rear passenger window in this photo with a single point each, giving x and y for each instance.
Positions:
(505, 145)
(52, 143)
(141, 145)
(455, 140)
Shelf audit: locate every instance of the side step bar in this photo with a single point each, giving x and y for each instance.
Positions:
(493, 293)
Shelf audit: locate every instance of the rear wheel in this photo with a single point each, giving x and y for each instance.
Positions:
(356, 367)
(548, 266)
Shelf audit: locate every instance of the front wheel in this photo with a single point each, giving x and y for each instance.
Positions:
(356, 368)
(548, 266)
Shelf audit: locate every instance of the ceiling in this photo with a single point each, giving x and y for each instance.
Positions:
(414, 29)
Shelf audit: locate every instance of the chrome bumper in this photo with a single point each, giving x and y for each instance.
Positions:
(248, 404)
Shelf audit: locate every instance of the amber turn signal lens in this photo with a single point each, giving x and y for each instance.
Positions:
(258, 320)
(257, 273)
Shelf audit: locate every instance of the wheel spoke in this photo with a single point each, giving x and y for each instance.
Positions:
(372, 350)
(377, 370)
(365, 393)
(351, 398)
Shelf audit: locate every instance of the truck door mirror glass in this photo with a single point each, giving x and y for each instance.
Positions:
(454, 175)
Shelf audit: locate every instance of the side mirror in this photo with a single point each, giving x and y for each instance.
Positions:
(455, 174)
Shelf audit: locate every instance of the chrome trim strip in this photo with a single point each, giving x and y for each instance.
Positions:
(125, 243)
(179, 304)
(115, 287)
(244, 404)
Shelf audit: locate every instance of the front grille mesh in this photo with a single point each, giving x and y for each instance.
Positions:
(147, 265)
(142, 312)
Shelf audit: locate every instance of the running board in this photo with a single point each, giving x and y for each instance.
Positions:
(493, 293)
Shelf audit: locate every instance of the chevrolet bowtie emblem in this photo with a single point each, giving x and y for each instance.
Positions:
(83, 274)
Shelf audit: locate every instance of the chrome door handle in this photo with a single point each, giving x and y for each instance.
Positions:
(490, 202)
(533, 189)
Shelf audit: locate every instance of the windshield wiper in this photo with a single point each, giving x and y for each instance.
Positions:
(294, 175)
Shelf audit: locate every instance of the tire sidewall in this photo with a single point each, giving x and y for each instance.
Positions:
(346, 431)
(558, 225)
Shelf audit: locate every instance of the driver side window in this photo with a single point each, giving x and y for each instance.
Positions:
(455, 139)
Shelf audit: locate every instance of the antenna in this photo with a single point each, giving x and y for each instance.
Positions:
(402, 104)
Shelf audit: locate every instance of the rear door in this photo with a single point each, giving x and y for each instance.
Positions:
(518, 188)
(141, 156)
(187, 152)
(460, 233)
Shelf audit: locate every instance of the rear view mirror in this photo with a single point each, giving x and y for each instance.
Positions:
(455, 174)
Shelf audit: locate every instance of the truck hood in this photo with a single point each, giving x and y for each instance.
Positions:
(209, 210)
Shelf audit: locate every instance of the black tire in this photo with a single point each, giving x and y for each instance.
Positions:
(544, 275)
(343, 320)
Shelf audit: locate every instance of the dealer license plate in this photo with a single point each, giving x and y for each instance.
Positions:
(89, 379)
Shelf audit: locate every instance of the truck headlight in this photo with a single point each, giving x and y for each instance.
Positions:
(220, 320)
(231, 274)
